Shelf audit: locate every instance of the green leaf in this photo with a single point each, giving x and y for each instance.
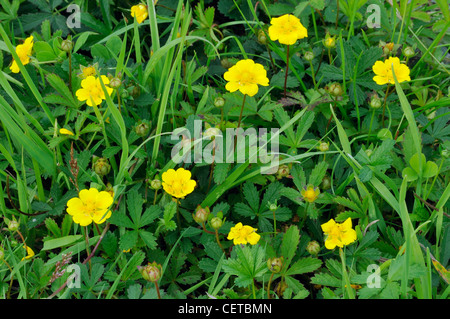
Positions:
(318, 173)
(134, 205)
(251, 195)
(60, 242)
(148, 238)
(128, 240)
(53, 227)
(249, 264)
(304, 265)
(109, 244)
(291, 239)
(150, 214)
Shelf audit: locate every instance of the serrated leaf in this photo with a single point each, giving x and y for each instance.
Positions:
(128, 240)
(326, 279)
(134, 261)
(134, 205)
(289, 245)
(249, 264)
(148, 238)
(318, 173)
(220, 172)
(304, 265)
(109, 244)
(251, 195)
(150, 214)
(53, 227)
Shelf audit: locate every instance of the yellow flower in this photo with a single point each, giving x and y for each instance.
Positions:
(242, 235)
(310, 193)
(383, 71)
(65, 131)
(30, 253)
(245, 76)
(24, 52)
(140, 12)
(91, 205)
(338, 234)
(91, 90)
(87, 70)
(287, 29)
(178, 183)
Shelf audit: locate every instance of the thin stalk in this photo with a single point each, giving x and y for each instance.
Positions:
(348, 288)
(384, 104)
(268, 286)
(157, 290)
(242, 109)
(287, 69)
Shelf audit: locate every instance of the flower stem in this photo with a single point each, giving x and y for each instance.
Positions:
(370, 126)
(86, 237)
(268, 286)
(384, 104)
(348, 288)
(242, 109)
(218, 241)
(157, 290)
(287, 69)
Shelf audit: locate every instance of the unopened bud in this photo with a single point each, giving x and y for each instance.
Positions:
(335, 89)
(151, 272)
(275, 264)
(309, 55)
(329, 42)
(375, 102)
(13, 225)
(101, 166)
(283, 171)
(156, 184)
(212, 132)
(409, 52)
(115, 83)
(67, 45)
(313, 248)
(226, 63)
(219, 102)
(262, 39)
(216, 222)
(201, 214)
(323, 147)
(142, 129)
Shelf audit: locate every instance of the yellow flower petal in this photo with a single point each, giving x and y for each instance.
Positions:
(65, 131)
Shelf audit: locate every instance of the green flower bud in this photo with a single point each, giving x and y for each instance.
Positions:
(201, 214)
(142, 129)
(67, 45)
(309, 55)
(375, 102)
(216, 222)
(151, 272)
(323, 146)
(275, 264)
(13, 225)
(409, 52)
(219, 102)
(283, 171)
(212, 132)
(445, 153)
(262, 39)
(313, 248)
(101, 166)
(115, 83)
(335, 89)
(156, 184)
